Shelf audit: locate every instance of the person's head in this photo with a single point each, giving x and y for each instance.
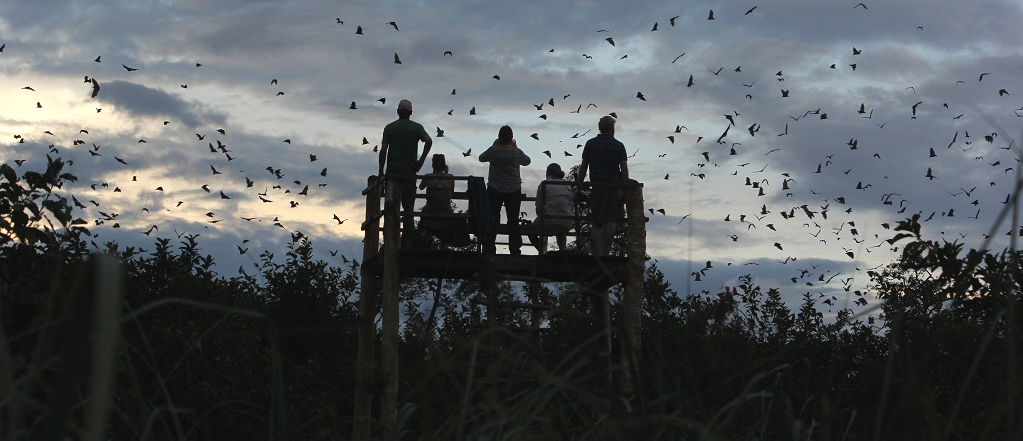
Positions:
(554, 171)
(505, 135)
(440, 165)
(606, 125)
(404, 108)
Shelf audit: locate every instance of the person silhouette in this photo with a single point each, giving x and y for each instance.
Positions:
(552, 199)
(439, 188)
(504, 187)
(399, 147)
(606, 158)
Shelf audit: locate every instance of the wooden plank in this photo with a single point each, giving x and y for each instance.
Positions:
(632, 304)
(554, 266)
(364, 367)
(389, 337)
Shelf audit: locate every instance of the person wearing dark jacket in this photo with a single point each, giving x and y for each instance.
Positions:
(607, 161)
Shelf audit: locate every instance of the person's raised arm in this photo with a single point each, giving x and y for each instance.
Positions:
(523, 158)
(383, 158)
(485, 156)
(427, 144)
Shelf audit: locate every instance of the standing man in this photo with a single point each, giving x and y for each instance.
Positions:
(399, 148)
(605, 157)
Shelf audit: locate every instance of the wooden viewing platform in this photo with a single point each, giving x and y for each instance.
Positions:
(552, 266)
(384, 267)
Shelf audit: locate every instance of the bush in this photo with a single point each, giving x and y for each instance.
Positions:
(168, 349)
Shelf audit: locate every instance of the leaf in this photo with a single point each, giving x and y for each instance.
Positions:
(9, 173)
(912, 225)
(59, 209)
(32, 235)
(19, 219)
(898, 237)
(31, 206)
(34, 180)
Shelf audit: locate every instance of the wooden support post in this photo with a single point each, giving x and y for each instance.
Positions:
(390, 304)
(535, 314)
(488, 281)
(602, 312)
(489, 357)
(632, 304)
(596, 286)
(365, 374)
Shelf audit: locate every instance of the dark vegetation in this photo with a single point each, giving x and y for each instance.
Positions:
(189, 354)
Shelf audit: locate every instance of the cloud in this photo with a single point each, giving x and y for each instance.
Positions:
(148, 102)
(322, 66)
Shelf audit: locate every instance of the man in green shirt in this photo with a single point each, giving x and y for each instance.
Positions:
(399, 147)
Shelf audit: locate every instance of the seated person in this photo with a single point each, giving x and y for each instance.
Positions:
(438, 200)
(552, 200)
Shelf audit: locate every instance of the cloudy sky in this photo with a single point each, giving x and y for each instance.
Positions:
(855, 114)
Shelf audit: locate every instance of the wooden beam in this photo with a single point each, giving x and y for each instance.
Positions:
(365, 367)
(553, 266)
(632, 303)
(390, 305)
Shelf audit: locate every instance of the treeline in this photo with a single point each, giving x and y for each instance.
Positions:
(156, 345)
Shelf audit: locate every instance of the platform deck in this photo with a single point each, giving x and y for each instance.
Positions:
(554, 266)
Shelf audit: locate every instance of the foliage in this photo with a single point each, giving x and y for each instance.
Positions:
(201, 356)
(953, 322)
(29, 206)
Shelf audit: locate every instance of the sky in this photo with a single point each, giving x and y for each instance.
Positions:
(848, 116)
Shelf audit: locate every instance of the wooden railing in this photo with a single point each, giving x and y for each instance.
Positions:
(373, 191)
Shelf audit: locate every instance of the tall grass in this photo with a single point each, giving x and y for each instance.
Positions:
(79, 380)
(154, 350)
(701, 378)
